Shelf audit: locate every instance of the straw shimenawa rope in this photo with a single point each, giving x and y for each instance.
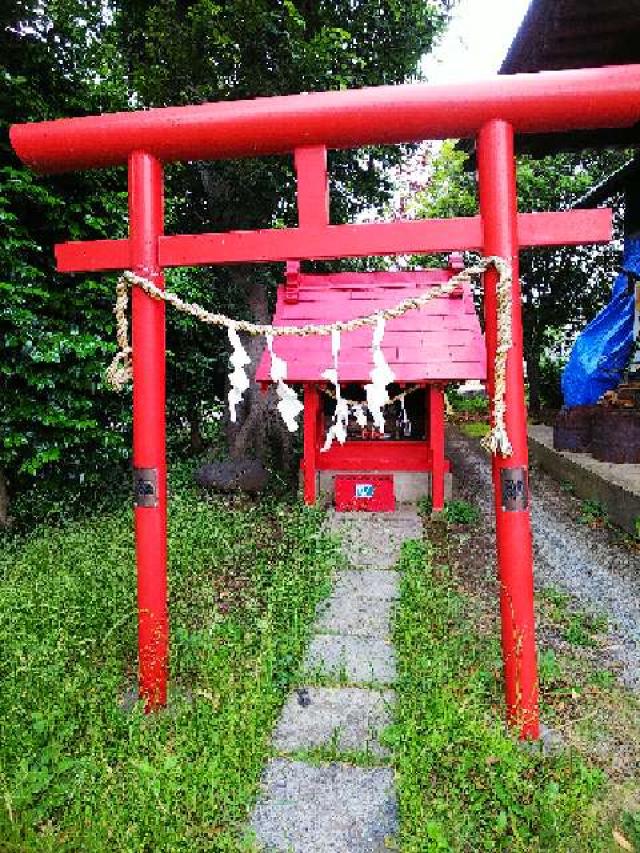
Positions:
(120, 372)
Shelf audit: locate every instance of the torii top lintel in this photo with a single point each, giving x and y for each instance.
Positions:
(543, 102)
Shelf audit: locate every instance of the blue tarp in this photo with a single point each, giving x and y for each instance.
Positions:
(600, 353)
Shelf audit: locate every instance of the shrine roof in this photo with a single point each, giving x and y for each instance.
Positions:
(439, 342)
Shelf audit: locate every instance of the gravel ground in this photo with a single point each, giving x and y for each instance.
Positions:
(596, 567)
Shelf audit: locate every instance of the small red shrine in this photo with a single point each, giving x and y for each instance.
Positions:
(426, 349)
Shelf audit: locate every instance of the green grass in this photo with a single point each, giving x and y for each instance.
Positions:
(464, 783)
(475, 429)
(578, 627)
(467, 402)
(455, 511)
(461, 512)
(79, 773)
(592, 513)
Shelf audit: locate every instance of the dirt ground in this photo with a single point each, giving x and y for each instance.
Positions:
(587, 578)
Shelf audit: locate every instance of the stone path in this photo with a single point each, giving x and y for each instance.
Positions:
(343, 801)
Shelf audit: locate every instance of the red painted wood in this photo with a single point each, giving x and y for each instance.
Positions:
(332, 241)
(146, 221)
(93, 255)
(291, 293)
(532, 103)
(436, 441)
(310, 438)
(301, 371)
(572, 227)
(382, 497)
(375, 456)
(313, 186)
(440, 342)
(498, 204)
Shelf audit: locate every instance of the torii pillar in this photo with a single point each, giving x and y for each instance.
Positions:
(498, 209)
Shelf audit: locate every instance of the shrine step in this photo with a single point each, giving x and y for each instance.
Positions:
(322, 809)
(374, 541)
(338, 718)
(355, 615)
(352, 660)
(367, 583)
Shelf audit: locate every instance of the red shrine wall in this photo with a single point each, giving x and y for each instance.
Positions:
(409, 461)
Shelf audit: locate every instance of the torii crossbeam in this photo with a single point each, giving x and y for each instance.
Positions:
(306, 125)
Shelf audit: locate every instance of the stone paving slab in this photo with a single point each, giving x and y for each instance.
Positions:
(375, 540)
(368, 583)
(365, 556)
(362, 660)
(354, 615)
(331, 809)
(347, 717)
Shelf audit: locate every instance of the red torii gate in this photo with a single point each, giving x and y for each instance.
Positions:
(307, 125)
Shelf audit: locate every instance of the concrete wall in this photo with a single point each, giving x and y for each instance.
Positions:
(616, 487)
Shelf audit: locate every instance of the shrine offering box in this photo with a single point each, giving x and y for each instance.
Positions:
(364, 492)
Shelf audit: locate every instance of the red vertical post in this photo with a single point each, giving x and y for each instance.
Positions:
(313, 186)
(498, 209)
(146, 224)
(311, 400)
(436, 441)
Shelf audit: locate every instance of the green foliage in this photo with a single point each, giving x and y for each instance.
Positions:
(562, 288)
(461, 512)
(592, 512)
(57, 420)
(463, 782)
(549, 378)
(68, 57)
(631, 826)
(77, 772)
(425, 505)
(549, 669)
(467, 402)
(578, 627)
(475, 429)
(455, 512)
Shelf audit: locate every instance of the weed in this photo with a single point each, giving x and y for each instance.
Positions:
(592, 513)
(76, 772)
(549, 670)
(461, 512)
(425, 505)
(603, 678)
(631, 827)
(463, 782)
(578, 627)
(469, 403)
(582, 629)
(475, 429)
(558, 604)
(455, 512)
(333, 752)
(568, 487)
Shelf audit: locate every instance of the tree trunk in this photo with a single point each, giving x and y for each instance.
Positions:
(5, 521)
(259, 432)
(195, 433)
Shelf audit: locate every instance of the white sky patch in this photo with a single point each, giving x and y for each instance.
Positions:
(476, 41)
